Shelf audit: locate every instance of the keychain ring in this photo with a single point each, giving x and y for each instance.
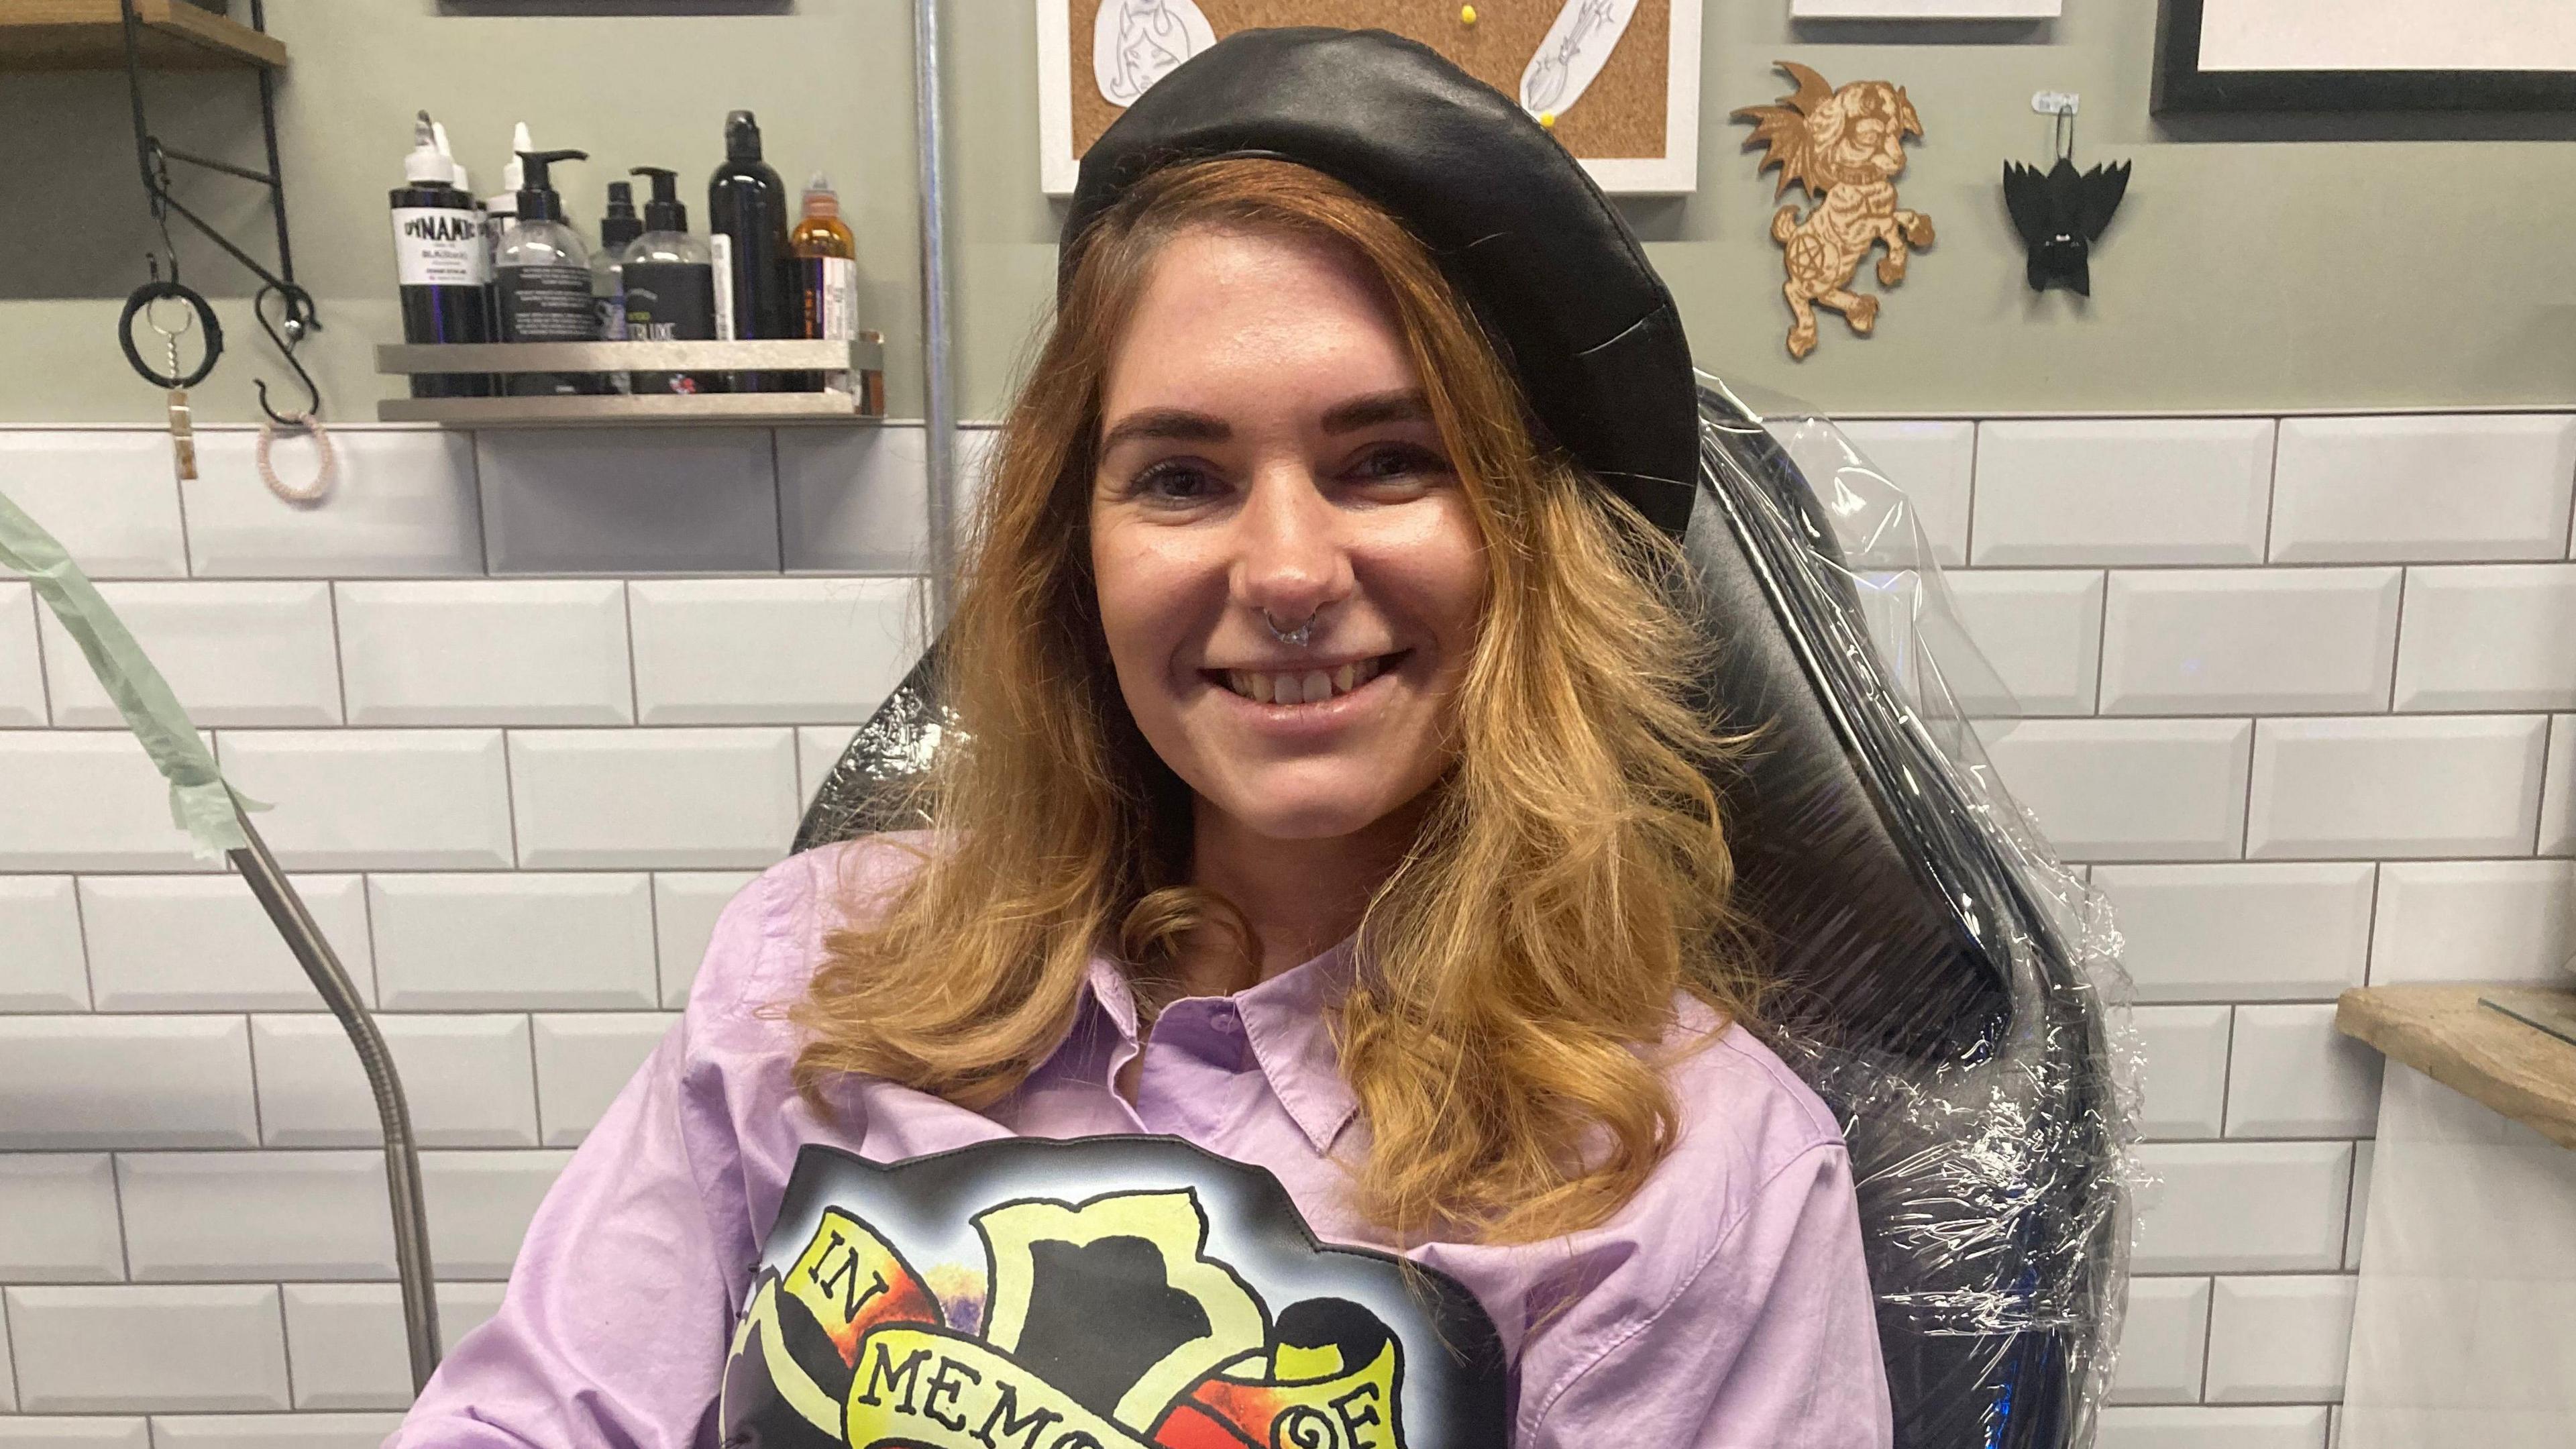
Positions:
(204, 316)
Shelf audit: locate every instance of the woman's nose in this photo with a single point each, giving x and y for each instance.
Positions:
(1290, 556)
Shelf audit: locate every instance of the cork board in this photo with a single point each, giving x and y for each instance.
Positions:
(1634, 125)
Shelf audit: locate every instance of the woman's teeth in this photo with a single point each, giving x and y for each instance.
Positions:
(1311, 687)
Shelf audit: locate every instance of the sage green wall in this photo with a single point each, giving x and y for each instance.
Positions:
(2257, 264)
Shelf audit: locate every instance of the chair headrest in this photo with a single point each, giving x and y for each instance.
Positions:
(1561, 284)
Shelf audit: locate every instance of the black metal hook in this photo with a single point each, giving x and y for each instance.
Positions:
(299, 318)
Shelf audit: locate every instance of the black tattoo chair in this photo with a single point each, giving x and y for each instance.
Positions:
(1941, 977)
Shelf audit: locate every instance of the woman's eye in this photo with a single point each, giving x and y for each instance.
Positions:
(1383, 464)
(1172, 482)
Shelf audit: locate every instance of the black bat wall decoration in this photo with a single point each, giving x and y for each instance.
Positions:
(2059, 213)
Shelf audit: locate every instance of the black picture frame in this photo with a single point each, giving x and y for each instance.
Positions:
(2183, 88)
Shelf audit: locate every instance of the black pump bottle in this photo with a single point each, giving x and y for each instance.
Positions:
(542, 272)
(747, 222)
(440, 263)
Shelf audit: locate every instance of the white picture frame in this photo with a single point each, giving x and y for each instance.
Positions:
(1674, 173)
(1926, 9)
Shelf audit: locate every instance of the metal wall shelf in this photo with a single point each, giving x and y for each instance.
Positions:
(862, 357)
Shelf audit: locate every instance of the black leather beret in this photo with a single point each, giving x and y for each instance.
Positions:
(1559, 280)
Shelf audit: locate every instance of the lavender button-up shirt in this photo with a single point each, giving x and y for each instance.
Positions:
(1725, 1304)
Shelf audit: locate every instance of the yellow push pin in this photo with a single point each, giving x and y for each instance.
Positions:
(1547, 119)
(1466, 14)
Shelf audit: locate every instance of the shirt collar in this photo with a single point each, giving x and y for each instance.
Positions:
(1284, 1018)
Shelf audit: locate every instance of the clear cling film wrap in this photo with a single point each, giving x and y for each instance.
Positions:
(1948, 986)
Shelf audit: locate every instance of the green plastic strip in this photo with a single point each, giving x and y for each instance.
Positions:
(200, 803)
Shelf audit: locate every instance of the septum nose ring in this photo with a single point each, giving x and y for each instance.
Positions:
(1299, 635)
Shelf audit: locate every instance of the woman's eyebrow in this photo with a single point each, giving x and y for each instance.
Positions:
(1177, 424)
(1403, 405)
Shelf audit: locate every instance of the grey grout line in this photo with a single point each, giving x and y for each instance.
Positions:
(2245, 817)
(482, 510)
(536, 1077)
(778, 500)
(80, 924)
(2370, 926)
(510, 801)
(634, 675)
(44, 680)
(339, 652)
(116, 1193)
(653, 924)
(250, 1048)
(367, 928)
(1968, 537)
(2271, 489)
(2208, 1336)
(285, 1356)
(2101, 640)
(9, 1342)
(2397, 634)
(2227, 1076)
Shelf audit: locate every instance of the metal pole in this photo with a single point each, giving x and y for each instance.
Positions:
(276, 173)
(939, 405)
(402, 1158)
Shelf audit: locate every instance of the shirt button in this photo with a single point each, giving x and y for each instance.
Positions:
(1226, 1019)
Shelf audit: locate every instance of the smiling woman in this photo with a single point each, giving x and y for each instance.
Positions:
(1316, 1018)
(1303, 434)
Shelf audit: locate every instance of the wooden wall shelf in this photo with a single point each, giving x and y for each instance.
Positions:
(90, 35)
(2443, 1032)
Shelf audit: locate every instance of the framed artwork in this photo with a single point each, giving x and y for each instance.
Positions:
(2365, 55)
(1618, 80)
(1925, 9)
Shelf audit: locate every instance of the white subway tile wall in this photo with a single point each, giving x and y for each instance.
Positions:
(2279, 1339)
(2423, 488)
(107, 495)
(1935, 464)
(486, 652)
(2164, 1342)
(237, 653)
(43, 969)
(2186, 1093)
(376, 799)
(2041, 629)
(2124, 491)
(2248, 641)
(2558, 789)
(686, 904)
(532, 707)
(2492, 636)
(202, 943)
(2430, 785)
(22, 665)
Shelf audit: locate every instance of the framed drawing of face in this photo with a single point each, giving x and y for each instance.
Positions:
(2365, 55)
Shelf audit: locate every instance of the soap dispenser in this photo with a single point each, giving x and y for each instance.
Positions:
(670, 285)
(747, 219)
(543, 273)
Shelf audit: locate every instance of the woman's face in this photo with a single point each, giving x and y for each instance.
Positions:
(1268, 456)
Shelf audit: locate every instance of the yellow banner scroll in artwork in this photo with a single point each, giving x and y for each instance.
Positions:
(932, 1388)
(937, 1389)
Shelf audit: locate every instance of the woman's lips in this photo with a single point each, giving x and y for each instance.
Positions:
(1283, 700)
(1302, 686)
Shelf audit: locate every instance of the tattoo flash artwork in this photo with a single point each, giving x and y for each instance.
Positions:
(1135, 43)
(1099, 1293)
(1846, 147)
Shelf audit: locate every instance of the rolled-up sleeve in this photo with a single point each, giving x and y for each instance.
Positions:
(612, 1333)
(1770, 1342)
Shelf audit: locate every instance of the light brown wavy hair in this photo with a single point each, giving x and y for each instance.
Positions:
(1570, 876)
